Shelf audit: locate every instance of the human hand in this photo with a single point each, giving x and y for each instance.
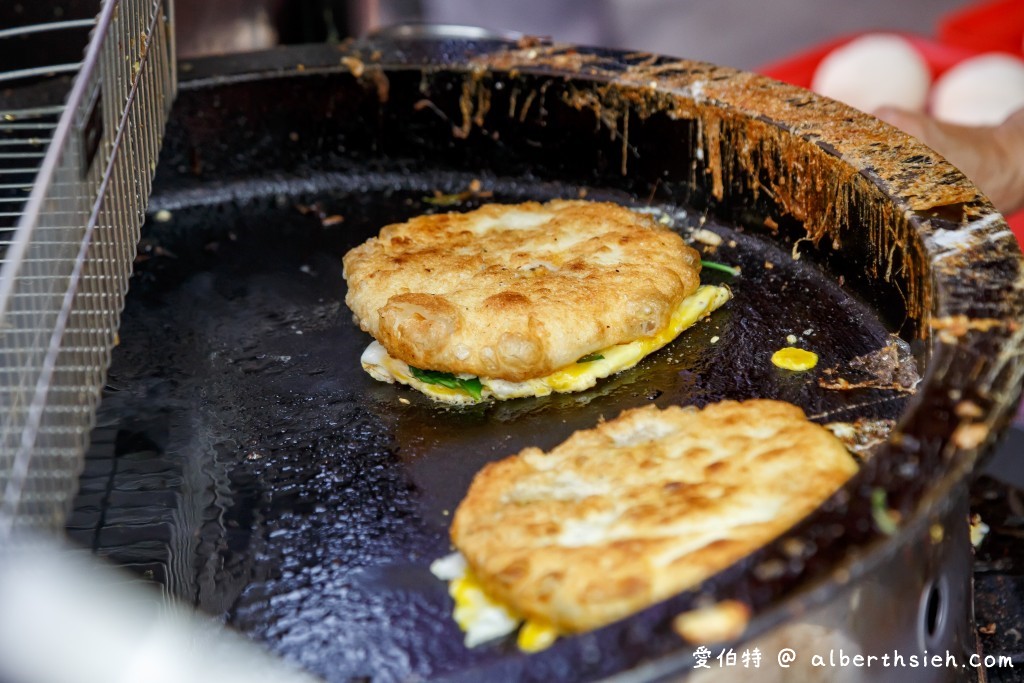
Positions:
(991, 156)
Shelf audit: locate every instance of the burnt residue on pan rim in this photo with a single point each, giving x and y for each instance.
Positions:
(969, 309)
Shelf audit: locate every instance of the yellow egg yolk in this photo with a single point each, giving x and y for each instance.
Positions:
(535, 636)
(792, 358)
(482, 618)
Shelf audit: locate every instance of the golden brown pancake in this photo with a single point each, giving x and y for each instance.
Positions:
(642, 507)
(515, 292)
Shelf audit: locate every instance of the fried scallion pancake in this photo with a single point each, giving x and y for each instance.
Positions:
(640, 508)
(509, 300)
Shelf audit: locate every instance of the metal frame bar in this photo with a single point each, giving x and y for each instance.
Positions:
(48, 26)
(65, 270)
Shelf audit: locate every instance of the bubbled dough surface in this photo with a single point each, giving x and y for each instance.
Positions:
(642, 507)
(518, 291)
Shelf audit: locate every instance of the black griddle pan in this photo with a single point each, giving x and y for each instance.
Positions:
(245, 462)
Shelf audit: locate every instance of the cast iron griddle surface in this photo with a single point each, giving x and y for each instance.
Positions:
(309, 499)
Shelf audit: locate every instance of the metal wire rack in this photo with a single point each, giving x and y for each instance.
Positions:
(78, 146)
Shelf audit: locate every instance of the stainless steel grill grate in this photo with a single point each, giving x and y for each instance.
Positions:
(74, 182)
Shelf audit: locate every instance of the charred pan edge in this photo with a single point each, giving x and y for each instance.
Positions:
(937, 218)
(816, 158)
(971, 296)
(949, 234)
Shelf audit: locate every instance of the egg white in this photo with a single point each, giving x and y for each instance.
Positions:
(481, 617)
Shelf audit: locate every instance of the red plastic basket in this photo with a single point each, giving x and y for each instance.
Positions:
(988, 26)
(799, 70)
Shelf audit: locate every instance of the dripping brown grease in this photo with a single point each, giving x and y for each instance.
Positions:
(824, 165)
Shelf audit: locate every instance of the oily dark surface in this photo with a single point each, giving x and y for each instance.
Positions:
(260, 474)
(308, 499)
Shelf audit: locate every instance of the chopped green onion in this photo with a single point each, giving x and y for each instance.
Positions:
(471, 385)
(721, 267)
(590, 358)
(885, 519)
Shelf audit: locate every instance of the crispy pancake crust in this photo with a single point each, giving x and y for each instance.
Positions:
(518, 291)
(642, 507)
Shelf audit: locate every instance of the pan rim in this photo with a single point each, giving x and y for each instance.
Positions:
(982, 236)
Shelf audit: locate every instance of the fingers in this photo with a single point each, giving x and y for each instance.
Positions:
(992, 158)
(909, 122)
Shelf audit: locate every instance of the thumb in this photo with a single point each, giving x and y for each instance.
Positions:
(909, 122)
(990, 156)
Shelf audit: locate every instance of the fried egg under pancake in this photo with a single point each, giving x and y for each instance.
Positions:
(641, 507)
(579, 376)
(518, 292)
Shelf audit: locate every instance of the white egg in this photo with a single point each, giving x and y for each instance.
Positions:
(980, 91)
(875, 70)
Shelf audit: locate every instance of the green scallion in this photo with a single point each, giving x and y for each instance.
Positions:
(720, 267)
(471, 385)
(885, 519)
